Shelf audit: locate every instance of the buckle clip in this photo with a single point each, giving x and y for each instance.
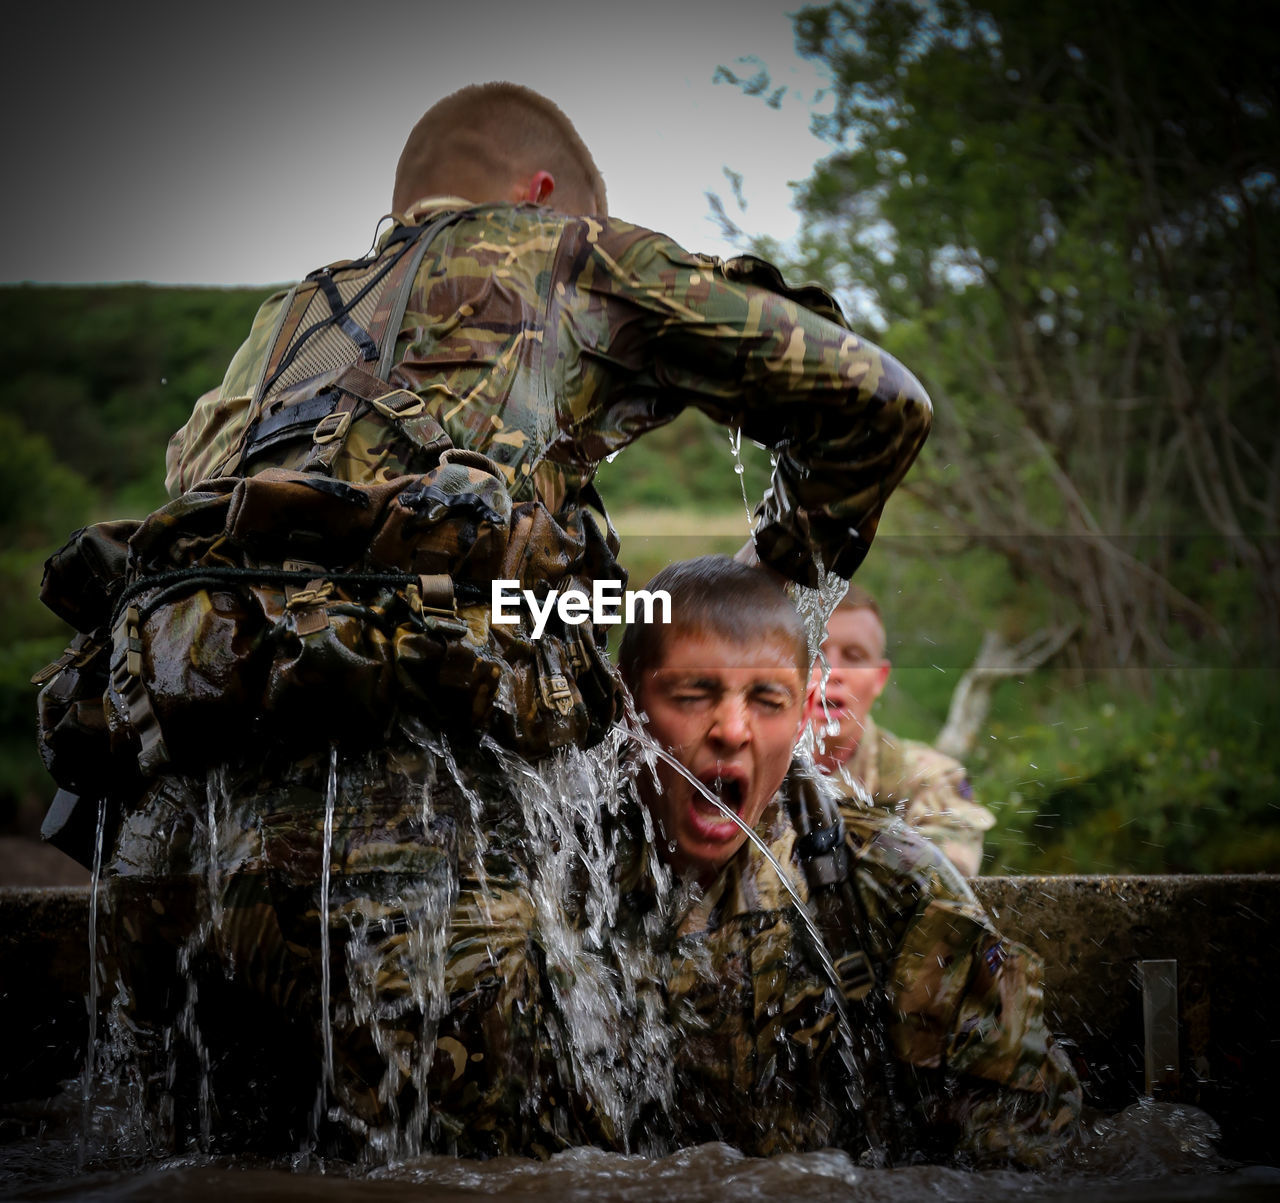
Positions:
(399, 404)
(310, 597)
(556, 694)
(331, 428)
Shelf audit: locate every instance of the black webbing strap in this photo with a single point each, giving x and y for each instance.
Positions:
(411, 241)
(288, 423)
(176, 580)
(343, 310)
(346, 323)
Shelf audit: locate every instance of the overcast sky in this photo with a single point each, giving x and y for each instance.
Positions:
(236, 143)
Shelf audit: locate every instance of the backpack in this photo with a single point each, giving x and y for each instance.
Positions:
(276, 603)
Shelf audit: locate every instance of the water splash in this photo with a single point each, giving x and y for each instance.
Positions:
(735, 447)
(815, 607)
(87, 1077)
(613, 1041)
(218, 800)
(610, 1027)
(850, 1049)
(326, 866)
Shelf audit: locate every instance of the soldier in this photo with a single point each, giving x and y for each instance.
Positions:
(318, 742)
(926, 788)
(951, 1053)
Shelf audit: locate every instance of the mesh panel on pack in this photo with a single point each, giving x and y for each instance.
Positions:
(329, 348)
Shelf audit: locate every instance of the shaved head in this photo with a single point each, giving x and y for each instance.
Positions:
(485, 142)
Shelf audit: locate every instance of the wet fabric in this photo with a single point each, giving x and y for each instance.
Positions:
(951, 1054)
(408, 1005)
(545, 343)
(292, 609)
(922, 786)
(549, 342)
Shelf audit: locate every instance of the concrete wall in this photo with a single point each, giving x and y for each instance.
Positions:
(1094, 934)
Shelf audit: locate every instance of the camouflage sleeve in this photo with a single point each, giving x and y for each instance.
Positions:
(220, 416)
(965, 1002)
(940, 805)
(844, 417)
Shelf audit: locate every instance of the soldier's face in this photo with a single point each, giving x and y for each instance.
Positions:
(854, 648)
(730, 714)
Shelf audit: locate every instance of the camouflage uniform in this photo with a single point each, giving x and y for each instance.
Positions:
(955, 1057)
(924, 787)
(546, 343)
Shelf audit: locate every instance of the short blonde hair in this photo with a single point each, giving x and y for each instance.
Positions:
(482, 138)
(857, 598)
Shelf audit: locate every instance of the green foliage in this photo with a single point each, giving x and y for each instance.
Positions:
(1095, 780)
(687, 463)
(106, 375)
(95, 381)
(1065, 218)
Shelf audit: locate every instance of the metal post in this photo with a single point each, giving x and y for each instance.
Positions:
(1160, 1026)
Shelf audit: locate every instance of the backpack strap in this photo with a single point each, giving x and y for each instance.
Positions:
(346, 371)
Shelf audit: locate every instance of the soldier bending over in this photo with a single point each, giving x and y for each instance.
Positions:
(307, 735)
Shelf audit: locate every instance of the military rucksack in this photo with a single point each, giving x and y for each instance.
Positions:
(277, 602)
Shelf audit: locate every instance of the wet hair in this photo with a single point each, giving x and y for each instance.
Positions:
(714, 595)
(482, 138)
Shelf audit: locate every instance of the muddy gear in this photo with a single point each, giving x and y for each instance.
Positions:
(310, 607)
(317, 608)
(445, 1022)
(550, 342)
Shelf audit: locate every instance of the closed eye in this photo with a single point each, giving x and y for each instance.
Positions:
(773, 698)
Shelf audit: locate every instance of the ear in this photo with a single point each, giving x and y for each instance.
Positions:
(882, 677)
(539, 189)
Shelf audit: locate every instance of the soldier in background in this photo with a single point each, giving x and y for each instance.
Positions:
(950, 1053)
(925, 787)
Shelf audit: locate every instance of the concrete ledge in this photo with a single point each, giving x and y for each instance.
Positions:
(44, 985)
(1093, 933)
(1223, 931)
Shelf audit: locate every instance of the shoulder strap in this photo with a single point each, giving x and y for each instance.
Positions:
(340, 322)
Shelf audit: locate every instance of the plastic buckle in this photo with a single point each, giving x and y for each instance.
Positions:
(49, 671)
(556, 694)
(310, 597)
(331, 428)
(399, 404)
(132, 641)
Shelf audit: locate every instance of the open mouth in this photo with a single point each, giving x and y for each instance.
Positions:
(728, 790)
(729, 787)
(837, 703)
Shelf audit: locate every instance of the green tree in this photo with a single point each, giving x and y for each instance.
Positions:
(95, 381)
(1066, 218)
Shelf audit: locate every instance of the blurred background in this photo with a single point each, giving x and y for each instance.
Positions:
(1064, 218)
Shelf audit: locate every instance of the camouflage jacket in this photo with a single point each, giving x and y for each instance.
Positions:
(924, 787)
(951, 1052)
(549, 342)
